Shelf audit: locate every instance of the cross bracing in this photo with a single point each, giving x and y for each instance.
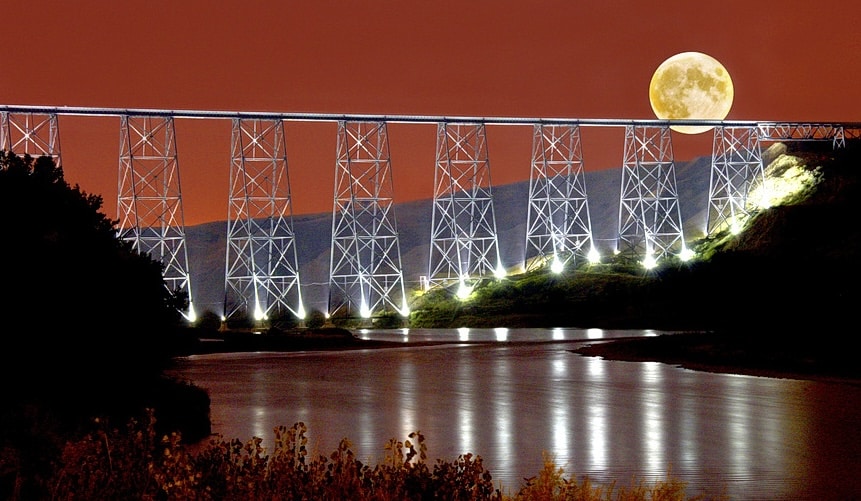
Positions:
(262, 273)
(649, 216)
(34, 134)
(736, 171)
(463, 225)
(787, 131)
(558, 226)
(149, 198)
(365, 275)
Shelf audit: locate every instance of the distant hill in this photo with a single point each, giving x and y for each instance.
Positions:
(207, 242)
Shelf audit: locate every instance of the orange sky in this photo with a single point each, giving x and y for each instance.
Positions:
(791, 60)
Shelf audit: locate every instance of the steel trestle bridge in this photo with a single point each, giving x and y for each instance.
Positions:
(365, 274)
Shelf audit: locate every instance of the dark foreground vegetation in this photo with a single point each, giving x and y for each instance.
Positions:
(88, 413)
(136, 463)
(94, 327)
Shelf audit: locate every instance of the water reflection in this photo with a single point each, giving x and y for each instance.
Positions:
(597, 416)
(561, 414)
(761, 438)
(260, 408)
(502, 409)
(501, 333)
(463, 333)
(409, 396)
(653, 421)
(740, 425)
(465, 397)
(594, 333)
(497, 334)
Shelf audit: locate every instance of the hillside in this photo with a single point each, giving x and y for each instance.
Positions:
(207, 242)
(779, 299)
(793, 271)
(798, 257)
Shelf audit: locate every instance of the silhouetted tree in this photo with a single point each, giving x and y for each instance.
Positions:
(88, 323)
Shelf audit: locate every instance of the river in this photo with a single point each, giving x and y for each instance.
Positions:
(511, 395)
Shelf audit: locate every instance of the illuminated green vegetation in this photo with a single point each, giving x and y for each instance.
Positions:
(793, 267)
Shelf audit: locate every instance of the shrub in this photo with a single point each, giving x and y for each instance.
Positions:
(315, 320)
(133, 463)
(209, 321)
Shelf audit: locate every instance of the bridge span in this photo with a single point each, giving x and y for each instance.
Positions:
(365, 272)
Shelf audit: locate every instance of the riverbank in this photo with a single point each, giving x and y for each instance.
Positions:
(744, 353)
(327, 338)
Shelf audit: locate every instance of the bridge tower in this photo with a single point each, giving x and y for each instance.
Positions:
(650, 223)
(365, 272)
(36, 134)
(463, 226)
(558, 224)
(736, 171)
(261, 266)
(149, 200)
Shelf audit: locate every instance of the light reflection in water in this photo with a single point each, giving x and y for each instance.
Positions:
(597, 419)
(653, 418)
(740, 425)
(501, 333)
(596, 367)
(594, 333)
(560, 369)
(302, 411)
(763, 437)
(409, 395)
(502, 405)
(463, 333)
(689, 423)
(558, 334)
(369, 438)
(259, 422)
(561, 412)
(464, 383)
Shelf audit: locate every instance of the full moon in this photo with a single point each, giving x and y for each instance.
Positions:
(691, 85)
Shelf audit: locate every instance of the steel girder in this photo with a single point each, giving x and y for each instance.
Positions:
(261, 266)
(365, 272)
(793, 131)
(736, 171)
(34, 134)
(463, 226)
(149, 201)
(649, 217)
(558, 223)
